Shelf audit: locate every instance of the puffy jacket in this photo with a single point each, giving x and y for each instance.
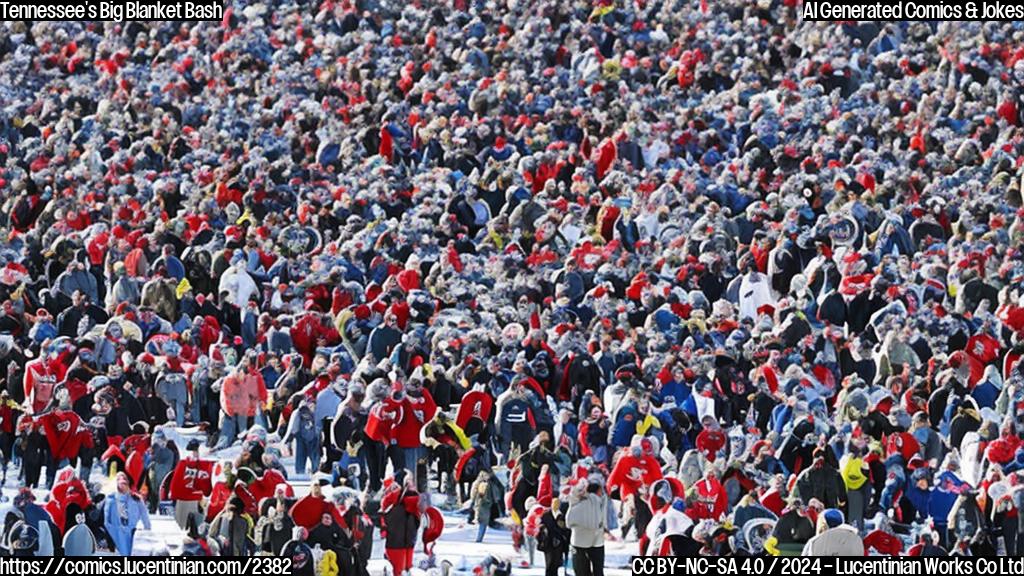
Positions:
(825, 484)
(586, 518)
(242, 394)
(401, 522)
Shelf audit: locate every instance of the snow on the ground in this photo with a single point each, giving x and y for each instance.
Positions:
(457, 543)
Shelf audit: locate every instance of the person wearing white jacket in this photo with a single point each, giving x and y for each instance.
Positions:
(586, 519)
(238, 284)
(670, 521)
(835, 537)
(755, 292)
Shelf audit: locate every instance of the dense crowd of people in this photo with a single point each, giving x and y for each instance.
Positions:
(694, 275)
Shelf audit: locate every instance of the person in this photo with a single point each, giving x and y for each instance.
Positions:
(553, 538)
(792, 531)
(242, 393)
(835, 537)
(400, 521)
(231, 528)
(301, 554)
(123, 511)
(79, 539)
(276, 529)
(483, 501)
(586, 521)
(304, 429)
(191, 481)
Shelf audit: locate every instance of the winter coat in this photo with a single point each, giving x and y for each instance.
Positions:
(842, 540)
(631, 472)
(402, 521)
(160, 295)
(825, 484)
(586, 518)
(122, 530)
(234, 529)
(81, 280)
(172, 388)
(553, 535)
(242, 394)
(303, 426)
(124, 290)
(238, 284)
(484, 498)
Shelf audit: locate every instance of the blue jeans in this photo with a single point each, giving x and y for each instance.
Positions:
(307, 450)
(411, 456)
(179, 412)
(480, 529)
(231, 427)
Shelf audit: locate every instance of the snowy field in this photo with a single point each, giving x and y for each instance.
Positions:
(457, 544)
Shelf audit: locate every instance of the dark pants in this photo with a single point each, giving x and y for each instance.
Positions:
(588, 561)
(332, 453)
(553, 560)
(1010, 535)
(375, 463)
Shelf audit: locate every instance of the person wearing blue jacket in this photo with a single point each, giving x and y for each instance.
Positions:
(122, 512)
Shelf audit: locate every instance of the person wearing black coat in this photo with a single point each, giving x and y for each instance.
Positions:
(792, 531)
(301, 555)
(823, 482)
(277, 533)
(326, 534)
(582, 373)
(400, 522)
(553, 539)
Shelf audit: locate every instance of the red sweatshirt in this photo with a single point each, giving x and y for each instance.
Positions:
(631, 473)
(416, 413)
(383, 419)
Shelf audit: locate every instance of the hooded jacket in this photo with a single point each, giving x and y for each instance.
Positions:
(586, 519)
(842, 540)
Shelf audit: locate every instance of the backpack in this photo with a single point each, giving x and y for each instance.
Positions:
(307, 426)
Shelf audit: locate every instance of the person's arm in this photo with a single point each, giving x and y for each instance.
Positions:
(108, 513)
(144, 511)
(293, 427)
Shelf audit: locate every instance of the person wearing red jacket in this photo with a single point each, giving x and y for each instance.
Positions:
(313, 330)
(474, 411)
(710, 440)
(243, 395)
(41, 377)
(191, 481)
(418, 409)
(68, 489)
(882, 540)
(711, 498)
(634, 470)
(381, 422)
(65, 433)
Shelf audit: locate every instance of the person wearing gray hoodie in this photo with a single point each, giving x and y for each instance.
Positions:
(586, 519)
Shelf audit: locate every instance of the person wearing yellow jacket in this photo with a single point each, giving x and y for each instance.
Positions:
(854, 471)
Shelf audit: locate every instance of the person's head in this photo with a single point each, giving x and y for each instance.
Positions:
(78, 298)
(544, 438)
(123, 484)
(326, 519)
